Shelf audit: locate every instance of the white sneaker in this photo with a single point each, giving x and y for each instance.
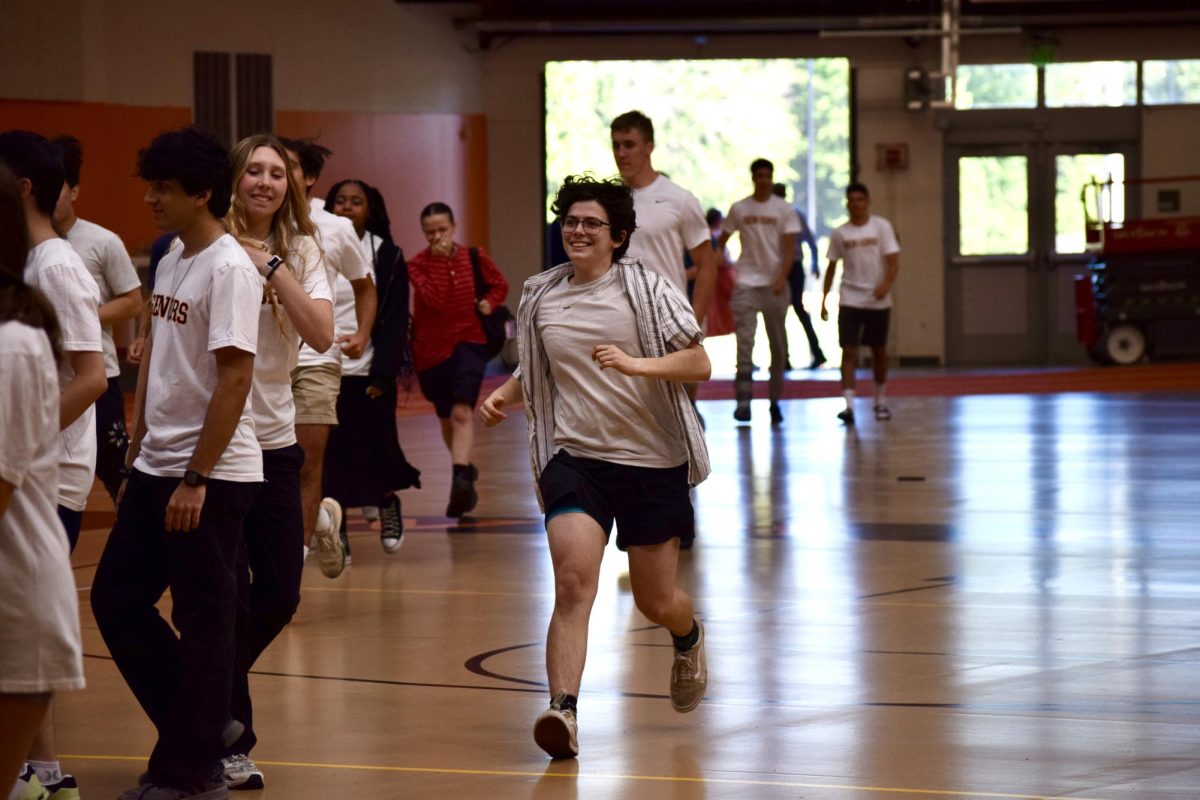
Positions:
(689, 676)
(557, 731)
(331, 556)
(240, 772)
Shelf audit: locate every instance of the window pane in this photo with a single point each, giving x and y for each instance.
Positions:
(1095, 83)
(1170, 82)
(993, 206)
(997, 86)
(1072, 173)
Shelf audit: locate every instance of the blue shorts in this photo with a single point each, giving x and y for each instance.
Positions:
(649, 505)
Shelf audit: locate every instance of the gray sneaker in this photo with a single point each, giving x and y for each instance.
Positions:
(240, 772)
(557, 731)
(331, 556)
(689, 676)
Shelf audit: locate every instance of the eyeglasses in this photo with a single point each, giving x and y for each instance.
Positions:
(590, 224)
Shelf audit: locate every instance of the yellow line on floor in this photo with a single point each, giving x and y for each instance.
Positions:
(645, 778)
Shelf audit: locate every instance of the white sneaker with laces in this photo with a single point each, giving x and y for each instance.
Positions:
(240, 772)
(557, 731)
(331, 556)
(689, 676)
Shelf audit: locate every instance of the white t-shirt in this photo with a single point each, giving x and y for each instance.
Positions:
(343, 255)
(669, 223)
(760, 223)
(862, 249)
(345, 322)
(56, 269)
(271, 401)
(40, 647)
(200, 304)
(603, 414)
(108, 263)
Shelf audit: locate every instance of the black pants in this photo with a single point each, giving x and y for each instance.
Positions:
(274, 555)
(796, 280)
(112, 439)
(182, 682)
(72, 522)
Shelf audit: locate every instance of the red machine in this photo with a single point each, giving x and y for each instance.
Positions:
(1141, 298)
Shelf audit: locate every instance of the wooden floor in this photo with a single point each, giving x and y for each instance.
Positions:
(987, 597)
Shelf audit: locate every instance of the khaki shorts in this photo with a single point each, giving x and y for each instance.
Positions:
(315, 391)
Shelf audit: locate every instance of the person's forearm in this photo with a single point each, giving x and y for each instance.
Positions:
(139, 406)
(312, 319)
(510, 392)
(223, 414)
(121, 308)
(84, 388)
(706, 280)
(682, 366)
(365, 304)
(828, 279)
(893, 269)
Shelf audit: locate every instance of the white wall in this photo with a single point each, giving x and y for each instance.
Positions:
(355, 55)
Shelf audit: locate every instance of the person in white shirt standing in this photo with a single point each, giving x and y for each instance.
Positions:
(670, 221)
(196, 468)
(316, 380)
(108, 262)
(768, 228)
(269, 216)
(55, 269)
(868, 245)
(40, 651)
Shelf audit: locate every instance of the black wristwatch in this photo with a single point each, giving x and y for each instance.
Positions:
(193, 478)
(273, 264)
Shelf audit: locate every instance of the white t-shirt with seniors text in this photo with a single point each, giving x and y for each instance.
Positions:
(104, 255)
(56, 270)
(862, 248)
(201, 304)
(669, 223)
(343, 256)
(271, 400)
(760, 224)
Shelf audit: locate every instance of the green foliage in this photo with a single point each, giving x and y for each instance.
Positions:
(997, 86)
(1171, 81)
(711, 119)
(1094, 83)
(993, 205)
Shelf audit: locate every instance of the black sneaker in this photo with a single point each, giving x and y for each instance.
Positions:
(742, 412)
(391, 524)
(463, 496)
(776, 414)
(846, 416)
(818, 361)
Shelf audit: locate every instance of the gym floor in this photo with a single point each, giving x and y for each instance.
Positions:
(993, 596)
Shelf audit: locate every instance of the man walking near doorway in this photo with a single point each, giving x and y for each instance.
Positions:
(868, 245)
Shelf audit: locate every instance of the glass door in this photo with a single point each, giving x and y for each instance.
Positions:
(994, 298)
(1015, 243)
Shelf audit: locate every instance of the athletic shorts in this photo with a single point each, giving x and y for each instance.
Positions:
(455, 380)
(866, 326)
(649, 505)
(315, 392)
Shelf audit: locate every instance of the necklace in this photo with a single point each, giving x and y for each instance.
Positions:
(599, 283)
(191, 260)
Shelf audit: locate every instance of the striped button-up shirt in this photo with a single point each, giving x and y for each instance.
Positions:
(666, 324)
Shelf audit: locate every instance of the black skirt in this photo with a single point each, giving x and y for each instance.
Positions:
(363, 459)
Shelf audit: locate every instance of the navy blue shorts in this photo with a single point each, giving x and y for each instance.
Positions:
(867, 326)
(649, 505)
(455, 380)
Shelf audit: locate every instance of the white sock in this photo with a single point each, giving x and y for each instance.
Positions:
(324, 521)
(849, 395)
(48, 772)
(881, 394)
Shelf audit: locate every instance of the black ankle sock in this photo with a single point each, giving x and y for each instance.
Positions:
(569, 703)
(461, 472)
(688, 640)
